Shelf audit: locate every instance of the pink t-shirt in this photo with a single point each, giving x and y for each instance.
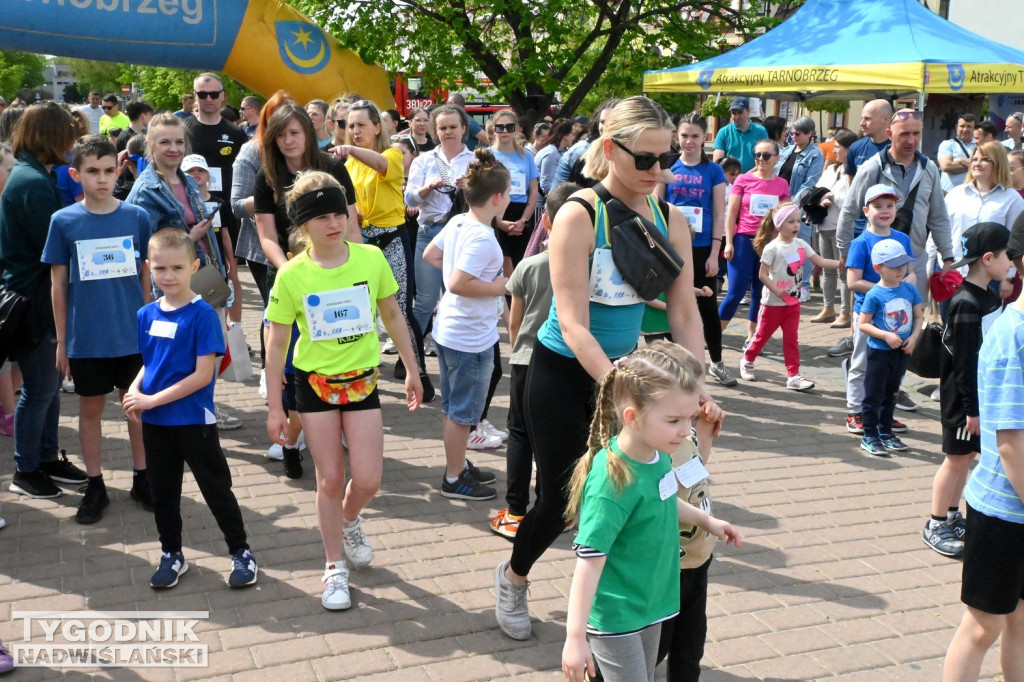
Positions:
(757, 198)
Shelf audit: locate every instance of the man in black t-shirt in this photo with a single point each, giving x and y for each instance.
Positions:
(215, 139)
(139, 112)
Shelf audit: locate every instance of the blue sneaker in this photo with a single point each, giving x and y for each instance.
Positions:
(171, 567)
(873, 446)
(243, 569)
(892, 443)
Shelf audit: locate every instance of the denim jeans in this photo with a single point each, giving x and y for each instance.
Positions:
(38, 411)
(428, 278)
(807, 234)
(464, 379)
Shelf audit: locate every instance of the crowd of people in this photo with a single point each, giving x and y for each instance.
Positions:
(437, 231)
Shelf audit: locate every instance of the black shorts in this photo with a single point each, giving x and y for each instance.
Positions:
(306, 399)
(956, 441)
(288, 393)
(100, 376)
(993, 578)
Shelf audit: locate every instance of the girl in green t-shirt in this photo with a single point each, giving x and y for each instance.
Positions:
(625, 492)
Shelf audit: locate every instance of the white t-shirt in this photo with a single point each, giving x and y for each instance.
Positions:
(787, 263)
(464, 323)
(94, 116)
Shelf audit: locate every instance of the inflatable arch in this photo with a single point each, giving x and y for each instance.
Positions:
(265, 44)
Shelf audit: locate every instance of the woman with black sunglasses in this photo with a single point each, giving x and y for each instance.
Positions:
(589, 326)
(753, 195)
(516, 226)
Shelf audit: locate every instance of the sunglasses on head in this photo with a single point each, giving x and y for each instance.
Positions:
(401, 136)
(763, 156)
(211, 94)
(904, 114)
(645, 161)
(368, 106)
(504, 127)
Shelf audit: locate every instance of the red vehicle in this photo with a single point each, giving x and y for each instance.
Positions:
(411, 95)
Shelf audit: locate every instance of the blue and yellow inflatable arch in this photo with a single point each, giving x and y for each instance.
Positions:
(265, 44)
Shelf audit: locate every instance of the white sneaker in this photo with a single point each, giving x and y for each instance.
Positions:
(389, 348)
(429, 347)
(225, 421)
(300, 442)
(68, 386)
(2, 522)
(276, 452)
(488, 429)
(798, 383)
(747, 371)
(805, 294)
(263, 384)
(336, 595)
(511, 608)
(481, 441)
(357, 547)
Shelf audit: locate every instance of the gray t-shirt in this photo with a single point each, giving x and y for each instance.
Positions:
(530, 281)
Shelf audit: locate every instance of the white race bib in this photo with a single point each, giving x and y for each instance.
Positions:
(213, 211)
(606, 283)
(667, 486)
(691, 473)
(343, 312)
(216, 183)
(106, 258)
(163, 329)
(518, 183)
(695, 214)
(760, 204)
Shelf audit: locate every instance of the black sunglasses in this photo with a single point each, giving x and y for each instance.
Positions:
(341, 122)
(447, 189)
(212, 94)
(645, 161)
(763, 156)
(107, 107)
(504, 127)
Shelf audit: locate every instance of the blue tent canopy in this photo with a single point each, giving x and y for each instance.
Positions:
(860, 48)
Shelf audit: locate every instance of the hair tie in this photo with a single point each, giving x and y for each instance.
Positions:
(617, 362)
(318, 202)
(782, 214)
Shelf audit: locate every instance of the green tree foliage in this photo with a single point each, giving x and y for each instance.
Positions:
(19, 70)
(832, 106)
(530, 49)
(95, 75)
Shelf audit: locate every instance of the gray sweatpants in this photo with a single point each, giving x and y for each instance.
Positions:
(627, 658)
(855, 373)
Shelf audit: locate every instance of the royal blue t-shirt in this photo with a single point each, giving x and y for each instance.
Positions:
(101, 319)
(891, 310)
(170, 342)
(523, 169)
(860, 257)
(70, 190)
(692, 188)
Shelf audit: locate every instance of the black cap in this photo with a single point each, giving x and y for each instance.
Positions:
(980, 239)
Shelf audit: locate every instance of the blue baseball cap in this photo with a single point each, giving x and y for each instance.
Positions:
(739, 103)
(890, 253)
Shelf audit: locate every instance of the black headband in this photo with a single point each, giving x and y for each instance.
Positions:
(317, 203)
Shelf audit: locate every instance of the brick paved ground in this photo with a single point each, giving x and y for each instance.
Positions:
(833, 579)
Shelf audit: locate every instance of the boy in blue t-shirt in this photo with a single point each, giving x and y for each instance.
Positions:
(880, 211)
(180, 339)
(96, 251)
(993, 574)
(891, 317)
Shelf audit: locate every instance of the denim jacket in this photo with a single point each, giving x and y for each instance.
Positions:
(806, 169)
(152, 193)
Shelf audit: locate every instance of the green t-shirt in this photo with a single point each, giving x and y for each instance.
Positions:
(655, 320)
(108, 123)
(639, 533)
(300, 279)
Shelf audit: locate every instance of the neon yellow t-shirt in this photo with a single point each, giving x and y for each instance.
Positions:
(300, 279)
(378, 197)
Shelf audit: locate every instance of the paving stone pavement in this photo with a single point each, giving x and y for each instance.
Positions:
(832, 581)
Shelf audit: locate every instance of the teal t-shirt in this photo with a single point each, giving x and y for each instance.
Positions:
(639, 534)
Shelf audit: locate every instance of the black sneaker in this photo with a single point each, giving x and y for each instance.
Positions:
(400, 370)
(479, 474)
(93, 503)
(34, 484)
(466, 487)
(140, 492)
(428, 389)
(63, 471)
(292, 462)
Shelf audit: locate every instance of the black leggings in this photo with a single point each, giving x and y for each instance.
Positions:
(168, 449)
(683, 635)
(259, 275)
(495, 378)
(518, 451)
(708, 305)
(560, 402)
